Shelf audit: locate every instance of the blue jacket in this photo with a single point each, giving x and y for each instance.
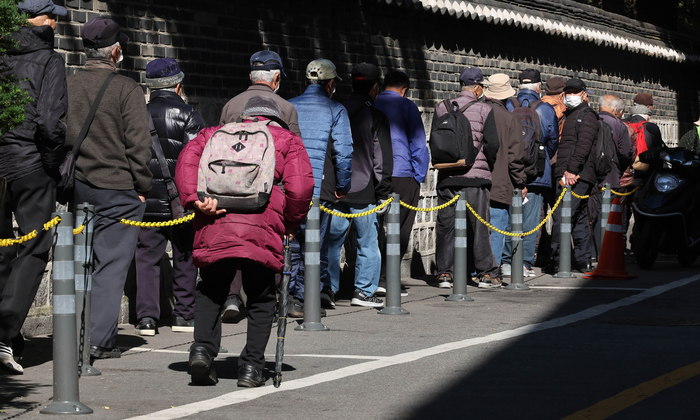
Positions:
(321, 119)
(550, 132)
(411, 156)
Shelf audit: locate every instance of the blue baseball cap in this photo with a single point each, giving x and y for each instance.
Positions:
(270, 61)
(471, 76)
(41, 7)
(163, 72)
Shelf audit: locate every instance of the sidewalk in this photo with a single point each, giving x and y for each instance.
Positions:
(368, 365)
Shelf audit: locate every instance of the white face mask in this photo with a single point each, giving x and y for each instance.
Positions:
(572, 101)
(276, 89)
(332, 93)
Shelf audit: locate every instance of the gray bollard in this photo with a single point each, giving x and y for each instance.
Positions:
(393, 260)
(604, 214)
(565, 238)
(312, 278)
(459, 280)
(516, 266)
(65, 363)
(83, 286)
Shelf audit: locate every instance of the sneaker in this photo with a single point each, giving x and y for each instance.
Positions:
(146, 326)
(7, 361)
(486, 281)
(381, 289)
(202, 366)
(528, 272)
(444, 281)
(327, 298)
(232, 308)
(296, 308)
(359, 298)
(181, 324)
(505, 270)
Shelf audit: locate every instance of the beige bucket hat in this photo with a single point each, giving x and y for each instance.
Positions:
(498, 87)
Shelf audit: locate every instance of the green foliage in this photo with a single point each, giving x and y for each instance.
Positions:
(12, 98)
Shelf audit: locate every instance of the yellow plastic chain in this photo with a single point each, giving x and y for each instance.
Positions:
(79, 230)
(511, 234)
(354, 215)
(31, 235)
(583, 197)
(158, 224)
(428, 209)
(624, 194)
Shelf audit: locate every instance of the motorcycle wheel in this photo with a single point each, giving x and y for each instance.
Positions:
(687, 258)
(645, 252)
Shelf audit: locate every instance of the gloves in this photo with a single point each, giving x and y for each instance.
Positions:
(383, 210)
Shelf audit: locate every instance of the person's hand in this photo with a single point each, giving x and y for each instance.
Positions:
(384, 209)
(570, 179)
(143, 199)
(208, 207)
(340, 195)
(524, 192)
(290, 232)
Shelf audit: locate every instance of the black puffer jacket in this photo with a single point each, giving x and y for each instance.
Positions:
(39, 140)
(574, 156)
(176, 123)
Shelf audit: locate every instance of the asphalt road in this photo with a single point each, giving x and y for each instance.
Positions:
(566, 349)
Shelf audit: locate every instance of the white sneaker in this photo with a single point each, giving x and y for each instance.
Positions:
(505, 269)
(445, 281)
(7, 362)
(528, 272)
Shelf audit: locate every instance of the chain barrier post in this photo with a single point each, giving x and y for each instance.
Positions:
(83, 286)
(565, 238)
(393, 259)
(66, 399)
(312, 278)
(459, 281)
(605, 213)
(516, 267)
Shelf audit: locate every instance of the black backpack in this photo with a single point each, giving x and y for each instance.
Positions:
(603, 149)
(451, 141)
(535, 155)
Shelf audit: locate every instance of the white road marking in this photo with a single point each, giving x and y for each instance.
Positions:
(631, 289)
(272, 356)
(250, 394)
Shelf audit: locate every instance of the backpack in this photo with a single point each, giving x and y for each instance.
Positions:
(237, 166)
(641, 143)
(603, 148)
(451, 141)
(535, 155)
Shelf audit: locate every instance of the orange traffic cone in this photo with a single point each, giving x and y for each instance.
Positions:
(611, 262)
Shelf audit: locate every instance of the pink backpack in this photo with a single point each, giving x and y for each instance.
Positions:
(237, 167)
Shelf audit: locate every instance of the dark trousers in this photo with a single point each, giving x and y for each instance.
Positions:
(478, 235)
(296, 285)
(113, 249)
(149, 252)
(580, 231)
(259, 286)
(409, 190)
(595, 208)
(32, 200)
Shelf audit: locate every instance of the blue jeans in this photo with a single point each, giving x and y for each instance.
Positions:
(369, 260)
(296, 245)
(500, 216)
(531, 217)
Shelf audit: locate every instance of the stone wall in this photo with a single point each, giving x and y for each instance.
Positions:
(213, 40)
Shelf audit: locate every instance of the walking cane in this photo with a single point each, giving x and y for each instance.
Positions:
(282, 310)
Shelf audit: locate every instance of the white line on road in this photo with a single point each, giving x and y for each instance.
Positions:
(250, 394)
(224, 355)
(631, 289)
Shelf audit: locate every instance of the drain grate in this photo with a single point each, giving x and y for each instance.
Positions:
(655, 322)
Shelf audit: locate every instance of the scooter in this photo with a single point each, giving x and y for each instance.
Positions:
(667, 208)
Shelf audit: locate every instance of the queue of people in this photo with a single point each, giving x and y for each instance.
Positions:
(132, 155)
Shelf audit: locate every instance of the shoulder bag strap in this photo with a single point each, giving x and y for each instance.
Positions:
(158, 148)
(91, 114)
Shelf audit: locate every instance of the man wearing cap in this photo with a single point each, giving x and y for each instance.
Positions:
(111, 171)
(641, 111)
(372, 165)
(29, 158)
(552, 95)
(529, 94)
(691, 139)
(176, 124)
(266, 73)
(509, 170)
(326, 134)
(411, 157)
(475, 180)
(574, 170)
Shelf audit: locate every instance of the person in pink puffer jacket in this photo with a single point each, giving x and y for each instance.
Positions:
(252, 243)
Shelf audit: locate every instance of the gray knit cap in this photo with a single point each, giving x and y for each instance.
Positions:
(259, 106)
(640, 109)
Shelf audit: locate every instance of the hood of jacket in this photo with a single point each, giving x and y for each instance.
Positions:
(32, 38)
